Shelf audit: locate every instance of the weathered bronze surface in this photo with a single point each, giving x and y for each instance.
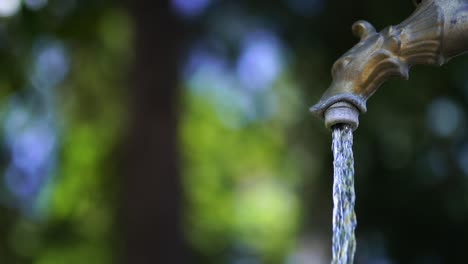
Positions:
(436, 32)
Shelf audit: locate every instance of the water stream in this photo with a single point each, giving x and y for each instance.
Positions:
(344, 218)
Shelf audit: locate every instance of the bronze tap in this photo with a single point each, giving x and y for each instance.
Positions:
(436, 32)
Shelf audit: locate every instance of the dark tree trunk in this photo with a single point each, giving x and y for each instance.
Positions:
(151, 185)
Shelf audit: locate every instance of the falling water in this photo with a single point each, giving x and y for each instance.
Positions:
(344, 218)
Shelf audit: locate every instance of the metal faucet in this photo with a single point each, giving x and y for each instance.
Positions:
(436, 32)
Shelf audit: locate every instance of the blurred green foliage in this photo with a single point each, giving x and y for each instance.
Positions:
(240, 182)
(77, 206)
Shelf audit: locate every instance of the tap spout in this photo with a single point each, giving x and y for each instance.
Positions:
(436, 32)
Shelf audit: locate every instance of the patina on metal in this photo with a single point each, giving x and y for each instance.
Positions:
(436, 32)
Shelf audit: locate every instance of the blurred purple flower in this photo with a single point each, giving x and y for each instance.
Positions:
(30, 138)
(260, 61)
(190, 8)
(35, 4)
(51, 64)
(22, 184)
(33, 147)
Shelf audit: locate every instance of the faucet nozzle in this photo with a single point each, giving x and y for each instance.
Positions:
(342, 113)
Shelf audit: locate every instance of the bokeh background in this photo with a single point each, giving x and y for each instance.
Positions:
(177, 131)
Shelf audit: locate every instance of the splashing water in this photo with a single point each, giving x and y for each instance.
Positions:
(344, 218)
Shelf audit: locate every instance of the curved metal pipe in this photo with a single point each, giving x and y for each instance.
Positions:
(436, 32)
